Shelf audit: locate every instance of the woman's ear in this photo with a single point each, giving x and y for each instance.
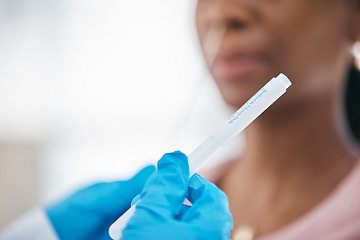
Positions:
(357, 21)
(354, 20)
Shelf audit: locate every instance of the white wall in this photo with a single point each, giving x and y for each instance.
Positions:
(104, 87)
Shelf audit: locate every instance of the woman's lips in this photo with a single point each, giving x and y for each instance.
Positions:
(237, 65)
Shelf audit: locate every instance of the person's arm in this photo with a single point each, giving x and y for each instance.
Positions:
(33, 225)
(87, 214)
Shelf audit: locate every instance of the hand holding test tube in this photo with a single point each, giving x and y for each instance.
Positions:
(263, 99)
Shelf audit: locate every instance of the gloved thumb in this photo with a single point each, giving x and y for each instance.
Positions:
(121, 193)
(95, 206)
(138, 181)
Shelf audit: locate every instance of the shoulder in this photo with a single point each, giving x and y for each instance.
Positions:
(337, 217)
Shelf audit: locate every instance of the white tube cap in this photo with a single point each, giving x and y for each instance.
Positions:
(284, 79)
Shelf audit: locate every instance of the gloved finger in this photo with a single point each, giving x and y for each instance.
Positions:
(165, 190)
(93, 209)
(138, 181)
(183, 210)
(113, 199)
(135, 199)
(210, 204)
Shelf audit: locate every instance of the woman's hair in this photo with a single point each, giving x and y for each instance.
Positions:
(352, 103)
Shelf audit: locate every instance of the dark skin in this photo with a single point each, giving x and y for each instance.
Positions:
(296, 152)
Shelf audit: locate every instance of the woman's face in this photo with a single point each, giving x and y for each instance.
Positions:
(308, 40)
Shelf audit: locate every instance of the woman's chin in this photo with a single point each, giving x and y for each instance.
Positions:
(234, 97)
(236, 91)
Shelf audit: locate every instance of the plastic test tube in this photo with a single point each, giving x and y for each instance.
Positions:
(266, 96)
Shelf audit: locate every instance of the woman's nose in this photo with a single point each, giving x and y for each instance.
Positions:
(231, 15)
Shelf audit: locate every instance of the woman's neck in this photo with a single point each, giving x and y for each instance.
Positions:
(305, 139)
(283, 155)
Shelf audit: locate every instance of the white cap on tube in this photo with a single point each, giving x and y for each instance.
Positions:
(285, 80)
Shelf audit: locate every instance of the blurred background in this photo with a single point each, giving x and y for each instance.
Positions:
(95, 90)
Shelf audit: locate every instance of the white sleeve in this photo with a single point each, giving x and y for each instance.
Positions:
(33, 225)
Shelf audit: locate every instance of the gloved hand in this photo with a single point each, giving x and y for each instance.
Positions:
(88, 213)
(161, 215)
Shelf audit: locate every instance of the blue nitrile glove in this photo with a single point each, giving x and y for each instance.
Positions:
(161, 215)
(88, 213)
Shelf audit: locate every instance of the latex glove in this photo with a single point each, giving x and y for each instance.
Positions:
(161, 215)
(88, 213)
